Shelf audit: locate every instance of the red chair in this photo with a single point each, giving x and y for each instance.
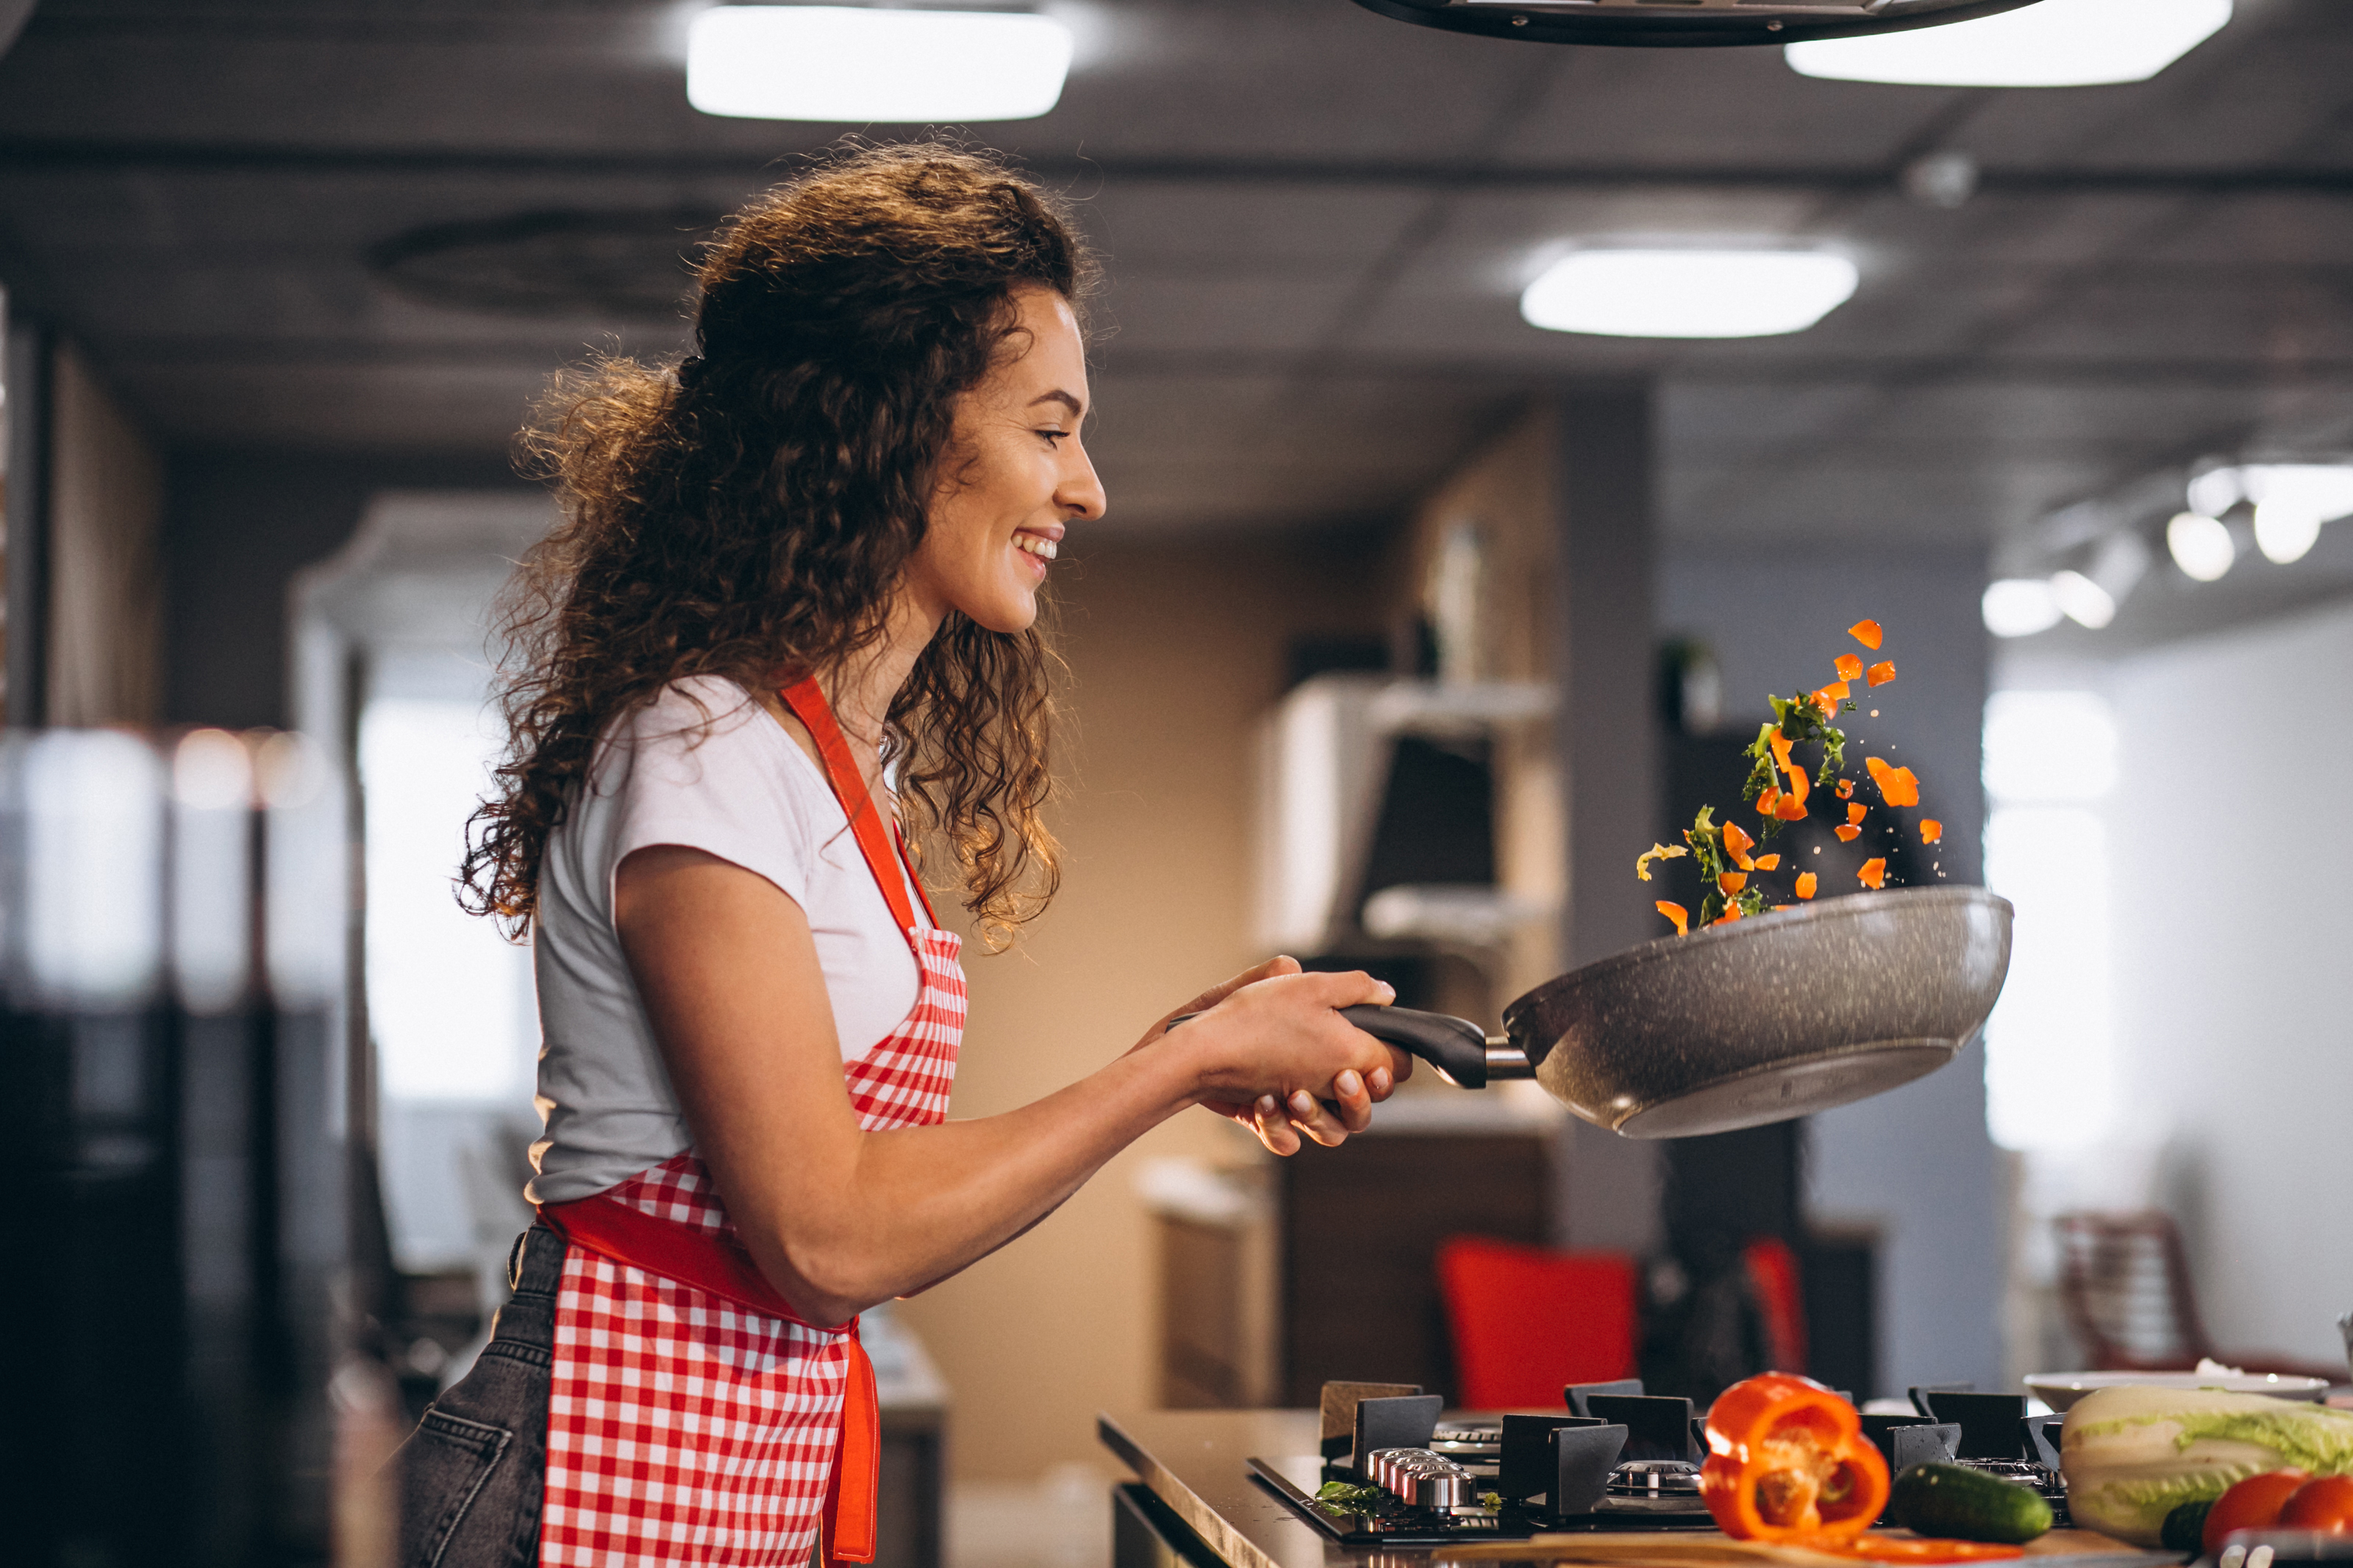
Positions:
(1528, 1321)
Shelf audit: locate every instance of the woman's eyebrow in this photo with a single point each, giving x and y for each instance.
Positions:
(1078, 409)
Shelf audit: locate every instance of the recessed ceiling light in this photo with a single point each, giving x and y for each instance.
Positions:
(2020, 607)
(2053, 43)
(1688, 293)
(2291, 501)
(2201, 546)
(857, 66)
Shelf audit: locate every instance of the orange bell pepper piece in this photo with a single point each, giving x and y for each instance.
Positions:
(1855, 813)
(1800, 785)
(1846, 789)
(1807, 884)
(1903, 788)
(1769, 803)
(1848, 666)
(1829, 698)
(1873, 874)
(1793, 808)
(1867, 632)
(1732, 881)
(1910, 1550)
(1737, 844)
(1728, 915)
(1769, 863)
(1780, 744)
(1677, 913)
(1788, 1462)
(1881, 674)
(1848, 833)
(1931, 830)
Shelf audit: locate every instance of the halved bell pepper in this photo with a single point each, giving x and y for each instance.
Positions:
(1787, 1461)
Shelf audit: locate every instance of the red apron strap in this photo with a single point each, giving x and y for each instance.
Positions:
(851, 1495)
(806, 700)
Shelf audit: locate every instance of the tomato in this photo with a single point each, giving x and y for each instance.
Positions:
(2326, 1504)
(2253, 1504)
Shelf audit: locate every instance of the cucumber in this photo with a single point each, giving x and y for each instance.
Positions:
(1953, 1502)
(2185, 1527)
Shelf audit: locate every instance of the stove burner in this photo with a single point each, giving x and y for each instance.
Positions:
(1655, 1479)
(1421, 1479)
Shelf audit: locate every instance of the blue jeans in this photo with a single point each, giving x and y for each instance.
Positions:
(471, 1475)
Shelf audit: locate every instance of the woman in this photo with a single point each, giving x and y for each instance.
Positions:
(793, 605)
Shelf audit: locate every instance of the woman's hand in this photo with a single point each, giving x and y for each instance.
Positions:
(1275, 1056)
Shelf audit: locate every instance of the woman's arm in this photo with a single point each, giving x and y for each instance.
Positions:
(839, 1218)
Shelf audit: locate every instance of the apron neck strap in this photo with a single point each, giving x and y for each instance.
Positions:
(806, 700)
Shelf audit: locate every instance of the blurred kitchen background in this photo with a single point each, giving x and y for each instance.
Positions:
(1412, 623)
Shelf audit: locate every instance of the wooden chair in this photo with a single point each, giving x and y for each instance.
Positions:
(2125, 1282)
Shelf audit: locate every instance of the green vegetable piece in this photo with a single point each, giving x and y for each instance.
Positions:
(1953, 1502)
(2185, 1527)
(1492, 1501)
(1341, 1494)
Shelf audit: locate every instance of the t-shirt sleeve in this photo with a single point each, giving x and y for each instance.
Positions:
(717, 783)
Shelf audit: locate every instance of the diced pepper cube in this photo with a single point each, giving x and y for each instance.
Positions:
(1867, 632)
(1881, 674)
(1807, 884)
(1848, 666)
(1873, 873)
(1677, 913)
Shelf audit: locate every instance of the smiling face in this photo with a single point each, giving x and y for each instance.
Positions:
(1013, 478)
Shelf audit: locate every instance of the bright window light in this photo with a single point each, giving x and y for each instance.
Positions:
(2053, 43)
(2021, 607)
(2201, 546)
(852, 66)
(2051, 1068)
(2082, 601)
(450, 1000)
(1689, 293)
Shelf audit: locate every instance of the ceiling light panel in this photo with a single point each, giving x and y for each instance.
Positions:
(2053, 43)
(1689, 293)
(846, 64)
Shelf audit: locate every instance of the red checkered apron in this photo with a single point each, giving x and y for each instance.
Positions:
(693, 1418)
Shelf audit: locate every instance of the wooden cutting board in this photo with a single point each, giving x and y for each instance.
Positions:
(2080, 1547)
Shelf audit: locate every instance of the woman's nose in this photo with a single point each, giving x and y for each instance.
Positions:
(1081, 493)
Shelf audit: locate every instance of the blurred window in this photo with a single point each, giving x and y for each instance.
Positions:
(2049, 763)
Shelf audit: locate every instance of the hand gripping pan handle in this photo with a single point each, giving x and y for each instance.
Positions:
(1460, 1049)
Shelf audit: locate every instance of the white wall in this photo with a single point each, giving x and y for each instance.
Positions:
(2234, 946)
(1916, 1163)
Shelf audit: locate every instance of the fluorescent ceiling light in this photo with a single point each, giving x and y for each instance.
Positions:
(2201, 546)
(1688, 293)
(2052, 43)
(2020, 607)
(840, 63)
(2082, 600)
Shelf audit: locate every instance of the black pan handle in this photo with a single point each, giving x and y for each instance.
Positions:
(1457, 1048)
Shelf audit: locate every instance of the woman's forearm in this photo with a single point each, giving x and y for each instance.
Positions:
(839, 1218)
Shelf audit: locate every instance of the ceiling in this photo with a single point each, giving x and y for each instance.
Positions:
(258, 213)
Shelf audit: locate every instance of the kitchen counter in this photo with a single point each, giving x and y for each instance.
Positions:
(1195, 1464)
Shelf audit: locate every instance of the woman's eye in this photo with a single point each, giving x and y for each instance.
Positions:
(1054, 434)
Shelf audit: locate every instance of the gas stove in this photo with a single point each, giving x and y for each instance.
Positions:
(1398, 1473)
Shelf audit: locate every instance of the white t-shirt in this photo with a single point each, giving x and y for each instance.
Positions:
(736, 785)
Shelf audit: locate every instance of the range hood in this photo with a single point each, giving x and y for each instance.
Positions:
(1670, 24)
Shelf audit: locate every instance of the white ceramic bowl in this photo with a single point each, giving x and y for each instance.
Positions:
(2061, 1389)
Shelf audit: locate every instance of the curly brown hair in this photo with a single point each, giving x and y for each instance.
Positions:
(747, 511)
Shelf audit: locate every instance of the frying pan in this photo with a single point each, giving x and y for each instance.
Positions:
(1738, 1025)
(1651, 24)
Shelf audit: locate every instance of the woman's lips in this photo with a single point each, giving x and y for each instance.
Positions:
(1037, 545)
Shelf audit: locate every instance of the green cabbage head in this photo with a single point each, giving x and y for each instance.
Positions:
(2133, 1454)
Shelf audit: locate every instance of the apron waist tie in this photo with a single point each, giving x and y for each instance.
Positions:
(717, 1265)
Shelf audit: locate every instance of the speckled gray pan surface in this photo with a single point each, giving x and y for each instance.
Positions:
(1766, 1019)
